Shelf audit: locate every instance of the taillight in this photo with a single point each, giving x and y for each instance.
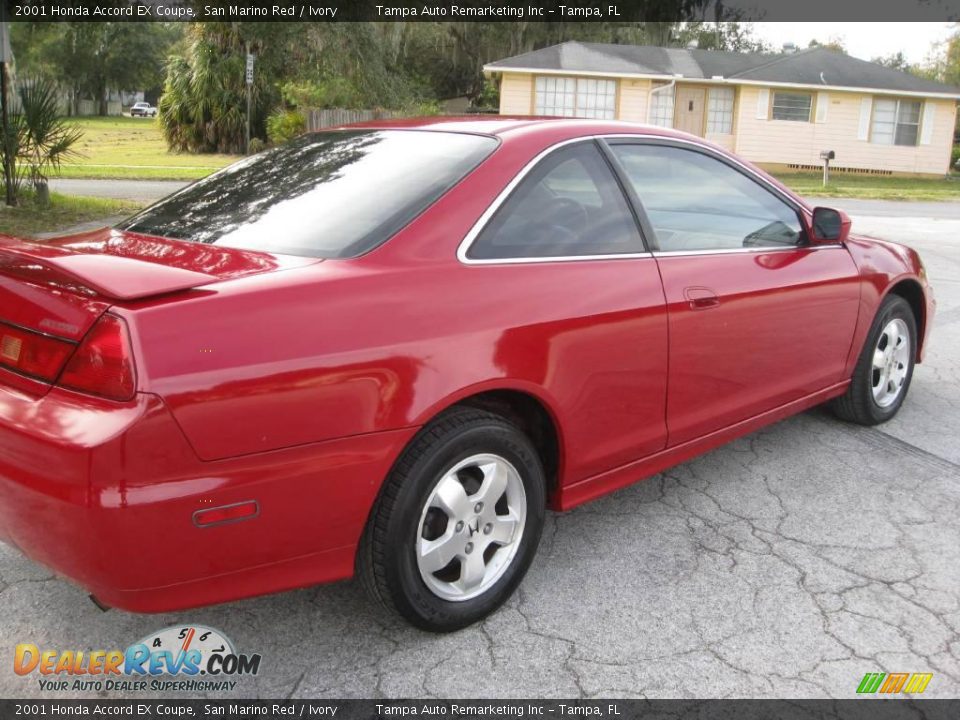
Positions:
(29, 353)
(103, 363)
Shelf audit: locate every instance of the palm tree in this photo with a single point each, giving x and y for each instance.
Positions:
(44, 139)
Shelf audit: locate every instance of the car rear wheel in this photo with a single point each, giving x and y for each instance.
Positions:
(457, 523)
(882, 377)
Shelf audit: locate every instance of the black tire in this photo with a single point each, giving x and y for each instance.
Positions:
(858, 404)
(386, 560)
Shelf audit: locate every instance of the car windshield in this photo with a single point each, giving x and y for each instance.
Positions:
(331, 194)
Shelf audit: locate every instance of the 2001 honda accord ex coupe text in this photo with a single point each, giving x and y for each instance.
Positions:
(388, 348)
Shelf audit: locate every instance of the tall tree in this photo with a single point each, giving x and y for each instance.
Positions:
(92, 58)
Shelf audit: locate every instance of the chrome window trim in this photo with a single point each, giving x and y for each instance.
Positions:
(738, 251)
(551, 259)
(464, 246)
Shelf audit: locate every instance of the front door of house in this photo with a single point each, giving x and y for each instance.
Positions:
(690, 110)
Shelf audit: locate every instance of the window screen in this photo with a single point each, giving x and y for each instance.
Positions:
(895, 122)
(720, 111)
(792, 106)
(661, 106)
(576, 97)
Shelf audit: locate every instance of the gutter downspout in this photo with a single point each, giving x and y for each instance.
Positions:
(669, 86)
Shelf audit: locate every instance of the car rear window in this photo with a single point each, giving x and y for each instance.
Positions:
(331, 194)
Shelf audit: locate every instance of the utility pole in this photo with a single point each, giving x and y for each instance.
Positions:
(5, 57)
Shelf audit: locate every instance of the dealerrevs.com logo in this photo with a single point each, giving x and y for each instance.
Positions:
(190, 659)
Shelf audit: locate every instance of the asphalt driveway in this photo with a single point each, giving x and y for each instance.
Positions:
(787, 564)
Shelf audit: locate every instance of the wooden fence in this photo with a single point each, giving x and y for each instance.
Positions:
(333, 117)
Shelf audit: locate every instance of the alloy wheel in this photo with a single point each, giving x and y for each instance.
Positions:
(471, 527)
(891, 361)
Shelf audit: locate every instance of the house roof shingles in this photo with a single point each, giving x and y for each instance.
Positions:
(813, 66)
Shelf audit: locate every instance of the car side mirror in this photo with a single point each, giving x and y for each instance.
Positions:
(829, 226)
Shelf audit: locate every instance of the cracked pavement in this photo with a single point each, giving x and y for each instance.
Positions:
(786, 564)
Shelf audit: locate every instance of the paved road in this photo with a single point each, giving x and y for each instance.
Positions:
(137, 190)
(786, 564)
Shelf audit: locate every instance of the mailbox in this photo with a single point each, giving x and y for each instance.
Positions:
(826, 156)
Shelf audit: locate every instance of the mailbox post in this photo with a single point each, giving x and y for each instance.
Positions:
(826, 156)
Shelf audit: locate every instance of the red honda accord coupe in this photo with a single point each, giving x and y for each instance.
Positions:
(387, 349)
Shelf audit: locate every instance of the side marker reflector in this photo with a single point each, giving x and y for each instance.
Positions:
(246, 510)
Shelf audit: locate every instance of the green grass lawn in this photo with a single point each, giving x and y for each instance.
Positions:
(64, 212)
(124, 147)
(873, 187)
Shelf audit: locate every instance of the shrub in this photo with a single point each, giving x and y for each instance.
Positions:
(38, 140)
(955, 158)
(283, 125)
(257, 145)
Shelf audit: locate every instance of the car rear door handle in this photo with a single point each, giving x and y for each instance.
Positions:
(701, 298)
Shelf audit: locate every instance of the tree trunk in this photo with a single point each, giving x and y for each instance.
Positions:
(42, 189)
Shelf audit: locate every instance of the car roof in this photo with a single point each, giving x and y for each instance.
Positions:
(502, 125)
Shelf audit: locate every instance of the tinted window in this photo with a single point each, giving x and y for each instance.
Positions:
(696, 202)
(568, 205)
(332, 194)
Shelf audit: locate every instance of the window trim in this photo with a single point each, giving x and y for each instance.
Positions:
(576, 94)
(896, 114)
(646, 230)
(813, 104)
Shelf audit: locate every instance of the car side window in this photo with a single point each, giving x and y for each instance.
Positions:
(569, 205)
(696, 202)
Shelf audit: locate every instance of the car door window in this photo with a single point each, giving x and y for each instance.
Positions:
(696, 202)
(569, 205)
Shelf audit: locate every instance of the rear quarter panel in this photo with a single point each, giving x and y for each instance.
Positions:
(386, 341)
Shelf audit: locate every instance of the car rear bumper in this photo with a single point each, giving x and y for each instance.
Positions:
(105, 494)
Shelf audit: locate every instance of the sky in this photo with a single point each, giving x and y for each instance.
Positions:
(865, 40)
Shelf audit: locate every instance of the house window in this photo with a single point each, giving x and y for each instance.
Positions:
(792, 106)
(895, 122)
(576, 97)
(661, 105)
(720, 111)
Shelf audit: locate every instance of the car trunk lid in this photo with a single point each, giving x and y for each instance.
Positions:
(52, 293)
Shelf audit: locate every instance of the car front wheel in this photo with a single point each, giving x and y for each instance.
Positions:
(457, 523)
(882, 377)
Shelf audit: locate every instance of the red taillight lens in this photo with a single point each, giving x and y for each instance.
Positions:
(103, 364)
(33, 354)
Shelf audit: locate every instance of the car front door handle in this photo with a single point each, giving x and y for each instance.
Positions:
(701, 298)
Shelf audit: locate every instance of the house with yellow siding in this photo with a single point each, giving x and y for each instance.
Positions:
(777, 110)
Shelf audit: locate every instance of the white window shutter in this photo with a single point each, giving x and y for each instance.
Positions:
(866, 107)
(926, 124)
(763, 101)
(823, 100)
